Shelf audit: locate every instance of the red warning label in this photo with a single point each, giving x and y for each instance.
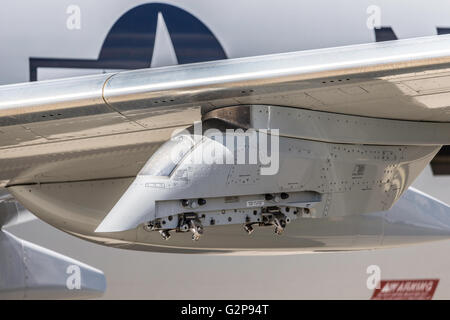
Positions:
(419, 289)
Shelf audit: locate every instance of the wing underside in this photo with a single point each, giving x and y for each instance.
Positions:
(357, 124)
(88, 120)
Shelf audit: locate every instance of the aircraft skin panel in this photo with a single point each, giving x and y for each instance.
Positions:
(102, 157)
(333, 78)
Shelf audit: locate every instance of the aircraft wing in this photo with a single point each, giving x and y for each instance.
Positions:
(90, 129)
(406, 79)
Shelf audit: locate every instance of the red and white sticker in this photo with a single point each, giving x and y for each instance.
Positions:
(418, 289)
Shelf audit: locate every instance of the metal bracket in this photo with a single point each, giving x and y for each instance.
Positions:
(190, 222)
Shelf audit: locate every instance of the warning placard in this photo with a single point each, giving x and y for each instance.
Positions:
(417, 289)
